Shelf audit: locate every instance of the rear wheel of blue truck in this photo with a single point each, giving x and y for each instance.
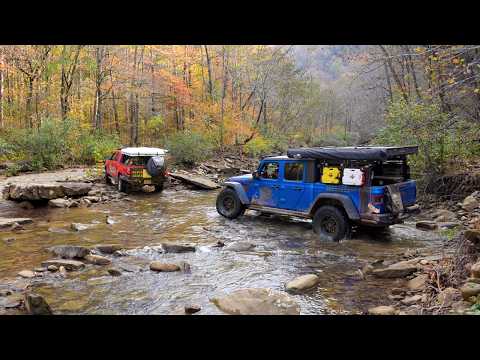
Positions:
(331, 223)
(229, 204)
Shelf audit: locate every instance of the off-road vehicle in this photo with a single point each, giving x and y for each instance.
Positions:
(336, 187)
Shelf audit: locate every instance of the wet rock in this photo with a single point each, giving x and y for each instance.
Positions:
(76, 188)
(197, 181)
(92, 199)
(442, 215)
(417, 283)
(36, 305)
(26, 274)
(85, 202)
(303, 282)
(27, 205)
(71, 265)
(114, 272)
(97, 260)
(257, 302)
(382, 310)
(475, 270)
(62, 271)
(426, 225)
(192, 309)
(470, 289)
(109, 220)
(173, 248)
(448, 296)
(40, 269)
(79, 227)
(239, 246)
(163, 267)
(59, 203)
(52, 268)
(11, 301)
(6, 223)
(108, 248)
(398, 270)
(69, 251)
(470, 203)
(410, 300)
(219, 244)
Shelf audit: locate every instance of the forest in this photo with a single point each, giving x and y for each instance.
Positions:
(72, 104)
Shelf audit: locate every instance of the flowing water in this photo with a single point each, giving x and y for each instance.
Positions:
(285, 248)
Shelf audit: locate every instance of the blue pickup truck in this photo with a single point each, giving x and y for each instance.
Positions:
(336, 187)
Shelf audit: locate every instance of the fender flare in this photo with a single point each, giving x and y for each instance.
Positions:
(242, 195)
(347, 203)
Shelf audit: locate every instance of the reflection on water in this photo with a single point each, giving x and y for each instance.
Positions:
(285, 248)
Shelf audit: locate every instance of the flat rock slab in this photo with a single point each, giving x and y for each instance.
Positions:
(382, 310)
(257, 302)
(7, 222)
(177, 248)
(198, 181)
(69, 251)
(67, 264)
(45, 191)
(398, 270)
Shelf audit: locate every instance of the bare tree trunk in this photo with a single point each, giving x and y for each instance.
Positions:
(209, 68)
(394, 73)
(222, 111)
(389, 83)
(28, 103)
(1, 90)
(134, 103)
(97, 114)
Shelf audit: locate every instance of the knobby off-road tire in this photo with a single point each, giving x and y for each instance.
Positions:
(331, 223)
(107, 178)
(158, 188)
(229, 204)
(122, 185)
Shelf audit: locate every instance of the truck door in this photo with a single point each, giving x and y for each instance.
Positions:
(292, 188)
(267, 185)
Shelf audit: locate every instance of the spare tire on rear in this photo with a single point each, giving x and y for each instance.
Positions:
(156, 166)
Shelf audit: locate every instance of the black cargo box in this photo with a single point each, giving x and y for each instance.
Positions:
(370, 153)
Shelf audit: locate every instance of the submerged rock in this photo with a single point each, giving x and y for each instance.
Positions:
(257, 302)
(177, 248)
(239, 246)
(382, 310)
(79, 227)
(163, 267)
(398, 270)
(26, 274)
(97, 260)
(69, 251)
(9, 222)
(302, 283)
(114, 272)
(27, 205)
(71, 265)
(108, 248)
(36, 305)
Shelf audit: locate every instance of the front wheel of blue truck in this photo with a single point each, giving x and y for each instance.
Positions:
(229, 204)
(331, 223)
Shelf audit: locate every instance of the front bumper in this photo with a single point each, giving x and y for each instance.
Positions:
(389, 219)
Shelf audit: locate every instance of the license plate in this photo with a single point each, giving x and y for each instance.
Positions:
(147, 181)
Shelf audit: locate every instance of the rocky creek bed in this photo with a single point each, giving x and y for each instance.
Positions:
(171, 253)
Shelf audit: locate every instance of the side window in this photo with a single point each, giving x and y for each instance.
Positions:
(114, 155)
(294, 171)
(269, 170)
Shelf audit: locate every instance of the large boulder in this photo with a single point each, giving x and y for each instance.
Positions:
(69, 251)
(470, 203)
(398, 270)
(470, 289)
(303, 282)
(45, 190)
(71, 265)
(257, 302)
(36, 305)
(417, 283)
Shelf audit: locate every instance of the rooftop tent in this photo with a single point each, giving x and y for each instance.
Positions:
(373, 153)
(143, 151)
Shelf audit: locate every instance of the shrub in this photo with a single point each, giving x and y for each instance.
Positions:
(258, 146)
(189, 147)
(93, 147)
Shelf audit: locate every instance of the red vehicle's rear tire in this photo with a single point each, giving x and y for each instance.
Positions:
(122, 185)
(107, 178)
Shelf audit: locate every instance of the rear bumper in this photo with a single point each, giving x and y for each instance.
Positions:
(389, 219)
(134, 181)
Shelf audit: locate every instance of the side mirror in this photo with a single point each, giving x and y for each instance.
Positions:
(255, 175)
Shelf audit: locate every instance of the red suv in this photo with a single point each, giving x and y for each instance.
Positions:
(132, 168)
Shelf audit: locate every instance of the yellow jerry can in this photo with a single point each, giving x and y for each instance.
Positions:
(331, 175)
(146, 175)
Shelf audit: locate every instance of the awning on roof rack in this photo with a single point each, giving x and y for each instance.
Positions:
(372, 153)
